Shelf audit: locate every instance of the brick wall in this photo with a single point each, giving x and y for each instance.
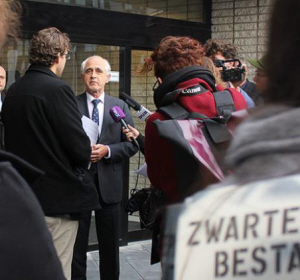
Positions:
(243, 23)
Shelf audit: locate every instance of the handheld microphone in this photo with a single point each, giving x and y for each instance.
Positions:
(142, 112)
(118, 116)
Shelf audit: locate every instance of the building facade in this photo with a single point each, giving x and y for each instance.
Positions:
(243, 23)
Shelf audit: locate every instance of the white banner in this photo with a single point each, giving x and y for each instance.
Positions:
(241, 233)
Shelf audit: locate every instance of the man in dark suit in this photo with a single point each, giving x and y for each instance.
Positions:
(21, 216)
(43, 126)
(107, 157)
(2, 95)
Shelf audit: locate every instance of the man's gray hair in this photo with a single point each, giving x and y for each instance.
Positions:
(107, 65)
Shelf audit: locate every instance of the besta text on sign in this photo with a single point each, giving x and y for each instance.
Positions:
(226, 228)
(241, 233)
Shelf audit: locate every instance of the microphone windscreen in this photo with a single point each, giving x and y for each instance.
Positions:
(116, 113)
(130, 101)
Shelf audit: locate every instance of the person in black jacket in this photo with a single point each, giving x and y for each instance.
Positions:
(23, 227)
(43, 126)
(24, 237)
(27, 250)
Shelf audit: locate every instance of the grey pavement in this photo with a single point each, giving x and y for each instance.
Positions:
(134, 263)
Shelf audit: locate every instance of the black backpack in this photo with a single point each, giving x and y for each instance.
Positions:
(199, 142)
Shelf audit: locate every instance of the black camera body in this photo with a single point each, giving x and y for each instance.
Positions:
(233, 74)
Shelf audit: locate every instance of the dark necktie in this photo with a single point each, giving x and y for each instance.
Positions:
(95, 113)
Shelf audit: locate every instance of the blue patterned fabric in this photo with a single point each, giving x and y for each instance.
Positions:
(95, 114)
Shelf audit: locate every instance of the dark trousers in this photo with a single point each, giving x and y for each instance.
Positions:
(108, 228)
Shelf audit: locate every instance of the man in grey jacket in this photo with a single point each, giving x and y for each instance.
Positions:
(107, 158)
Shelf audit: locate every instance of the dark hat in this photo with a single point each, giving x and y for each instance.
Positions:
(258, 63)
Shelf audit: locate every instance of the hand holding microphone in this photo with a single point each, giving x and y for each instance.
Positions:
(118, 116)
(131, 132)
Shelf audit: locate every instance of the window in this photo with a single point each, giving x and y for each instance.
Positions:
(189, 10)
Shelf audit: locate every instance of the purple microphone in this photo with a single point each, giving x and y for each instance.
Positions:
(118, 116)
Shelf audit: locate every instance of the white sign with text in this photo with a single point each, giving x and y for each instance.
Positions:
(241, 233)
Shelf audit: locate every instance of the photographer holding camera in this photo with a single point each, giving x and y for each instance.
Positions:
(225, 59)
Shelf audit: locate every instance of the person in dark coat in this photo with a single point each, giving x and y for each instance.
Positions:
(27, 250)
(26, 246)
(43, 126)
(107, 159)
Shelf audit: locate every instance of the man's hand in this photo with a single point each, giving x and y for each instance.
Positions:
(99, 151)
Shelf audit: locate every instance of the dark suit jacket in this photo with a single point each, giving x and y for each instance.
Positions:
(110, 170)
(43, 126)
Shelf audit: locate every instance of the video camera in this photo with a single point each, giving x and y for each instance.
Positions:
(237, 73)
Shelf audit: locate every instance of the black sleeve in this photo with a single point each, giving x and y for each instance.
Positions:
(66, 121)
(24, 236)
